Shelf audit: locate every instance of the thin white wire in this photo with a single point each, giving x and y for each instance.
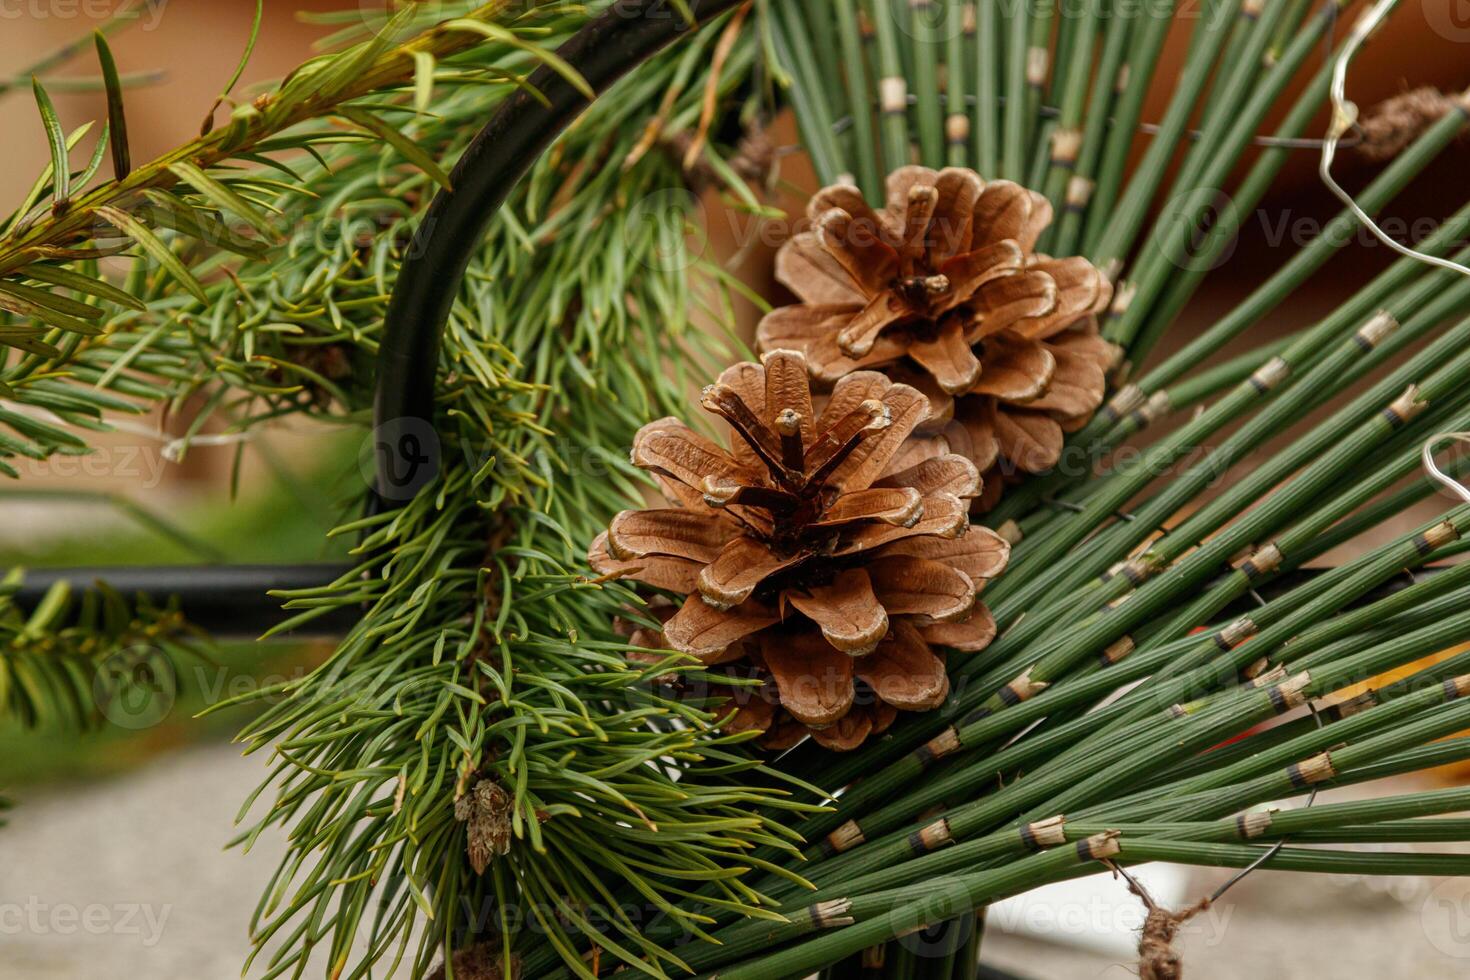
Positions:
(1432, 468)
(172, 449)
(1344, 115)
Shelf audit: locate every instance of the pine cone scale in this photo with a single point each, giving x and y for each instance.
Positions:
(1006, 303)
(904, 672)
(675, 532)
(1032, 440)
(789, 402)
(948, 358)
(672, 449)
(950, 474)
(850, 731)
(702, 630)
(740, 568)
(1018, 372)
(846, 610)
(862, 254)
(1008, 210)
(958, 191)
(970, 636)
(980, 553)
(912, 586)
(659, 571)
(906, 408)
(899, 506)
(813, 679)
(860, 333)
(998, 260)
(810, 271)
(945, 516)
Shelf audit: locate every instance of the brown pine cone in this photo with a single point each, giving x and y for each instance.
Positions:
(942, 289)
(825, 551)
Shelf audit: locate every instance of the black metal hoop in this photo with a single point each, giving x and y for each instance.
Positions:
(623, 37)
(231, 599)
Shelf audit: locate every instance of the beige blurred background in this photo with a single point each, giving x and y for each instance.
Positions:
(193, 46)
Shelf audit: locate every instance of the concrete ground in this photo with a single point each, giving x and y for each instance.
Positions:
(126, 879)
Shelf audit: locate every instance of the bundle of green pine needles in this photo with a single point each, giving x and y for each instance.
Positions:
(478, 773)
(1090, 730)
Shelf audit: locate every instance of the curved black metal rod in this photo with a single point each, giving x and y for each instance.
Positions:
(428, 282)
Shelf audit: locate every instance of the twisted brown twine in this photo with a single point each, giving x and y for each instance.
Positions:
(1157, 957)
(1394, 123)
(480, 962)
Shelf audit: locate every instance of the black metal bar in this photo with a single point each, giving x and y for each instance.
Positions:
(229, 601)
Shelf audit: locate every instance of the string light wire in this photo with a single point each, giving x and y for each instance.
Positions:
(1345, 117)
